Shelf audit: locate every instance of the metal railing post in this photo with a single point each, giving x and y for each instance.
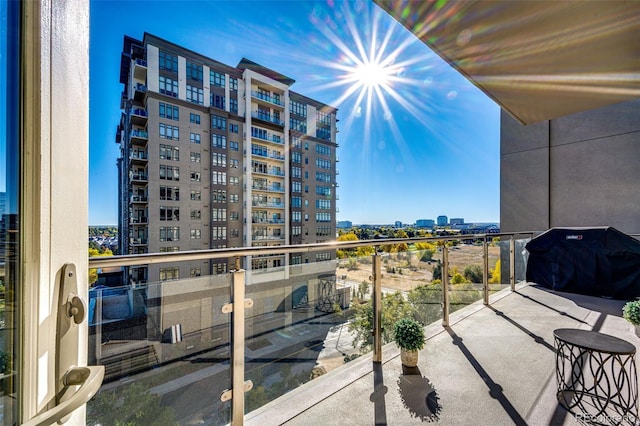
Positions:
(512, 263)
(445, 285)
(377, 307)
(485, 270)
(236, 308)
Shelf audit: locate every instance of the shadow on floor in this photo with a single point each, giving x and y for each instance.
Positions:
(418, 395)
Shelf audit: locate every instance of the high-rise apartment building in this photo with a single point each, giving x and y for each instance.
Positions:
(216, 156)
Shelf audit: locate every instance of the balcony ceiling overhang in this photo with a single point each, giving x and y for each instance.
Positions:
(537, 59)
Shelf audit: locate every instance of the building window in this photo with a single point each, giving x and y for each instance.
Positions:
(218, 232)
(323, 177)
(233, 164)
(296, 217)
(196, 214)
(233, 84)
(218, 141)
(234, 216)
(296, 172)
(323, 217)
(298, 108)
(233, 198)
(233, 128)
(195, 176)
(296, 142)
(323, 204)
(219, 159)
(216, 78)
(195, 157)
(298, 125)
(296, 231)
(323, 133)
(169, 172)
(296, 187)
(218, 215)
(320, 257)
(219, 196)
(169, 111)
(169, 213)
(169, 249)
(195, 138)
(323, 163)
(234, 146)
(233, 105)
(196, 195)
(217, 101)
(168, 152)
(218, 178)
(194, 71)
(195, 234)
(220, 268)
(169, 233)
(234, 180)
(168, 86)
(324, 118)
(194, 118)
(169, 132)
(218, 122)
(323, 150)
(296, 202)
(323, 190)
(194, 272)
(170, 273)
(168, 62)
(170, 193)
(296, 157)
(195, 95)
(296, 259)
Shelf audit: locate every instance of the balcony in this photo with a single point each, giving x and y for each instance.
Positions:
(270, 100)
(137, 199)
(268, 154)
(266, 136)
(268, 221)
(268, 188)
(139, 117)
(496, 345)
(138, 220)
(138, 157)
(268, 205)
(267, 237)
(139, 177)
(269, 172)
(138, 241)
(138, 137)
(267, 118)
(140, 69)
(139, 91)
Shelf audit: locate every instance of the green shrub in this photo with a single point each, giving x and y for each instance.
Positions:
(409, 334)
(631, 312)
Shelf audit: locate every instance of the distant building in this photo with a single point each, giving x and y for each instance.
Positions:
(456, 221)
(442, 220)
(398, 224)
(425, 223)
(3, 209)
(344, 224)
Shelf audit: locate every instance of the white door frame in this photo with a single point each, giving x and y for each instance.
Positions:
(54, 185)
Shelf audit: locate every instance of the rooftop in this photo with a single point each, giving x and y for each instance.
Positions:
(494, 365)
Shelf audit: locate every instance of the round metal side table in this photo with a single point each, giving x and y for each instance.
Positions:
(597, 378)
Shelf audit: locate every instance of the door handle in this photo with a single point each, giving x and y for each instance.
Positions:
(89, 379)
(71, 312)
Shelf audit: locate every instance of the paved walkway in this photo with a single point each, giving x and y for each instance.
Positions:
(493, 366)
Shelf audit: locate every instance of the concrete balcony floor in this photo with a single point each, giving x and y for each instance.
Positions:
(495, 365)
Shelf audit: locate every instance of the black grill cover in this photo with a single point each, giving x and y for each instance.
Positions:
(591, 261)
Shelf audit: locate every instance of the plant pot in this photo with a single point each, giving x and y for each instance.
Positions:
(409, 358)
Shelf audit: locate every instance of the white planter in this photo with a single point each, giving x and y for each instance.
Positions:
(409, 358)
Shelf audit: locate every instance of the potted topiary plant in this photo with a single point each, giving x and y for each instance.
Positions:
(631, 312)
(409, 336)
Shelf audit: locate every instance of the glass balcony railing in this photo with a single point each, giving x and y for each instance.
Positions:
(267, 154)
(267, 117)
(268, 188)
(177, 344)
(270, 172)
(271, 99)
(267, 204)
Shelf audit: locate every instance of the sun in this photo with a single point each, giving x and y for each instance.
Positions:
(372, 75)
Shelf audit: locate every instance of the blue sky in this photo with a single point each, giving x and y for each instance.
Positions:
(427, 145)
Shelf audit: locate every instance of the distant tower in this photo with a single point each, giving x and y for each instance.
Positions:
(442, 220)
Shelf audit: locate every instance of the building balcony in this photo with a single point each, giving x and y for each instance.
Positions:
(269, 172)
(138, 137)
(268, 118)
(139, 177)
(140, 69)
(268, 205)
(139, 91)
(267, 99)
(138, 220)
(268, 221)
(268, 188)
(139, 117)
(138, 241)
(138, 157)
(138, 199)
(271, 155)
(267, 237)
(268, 137)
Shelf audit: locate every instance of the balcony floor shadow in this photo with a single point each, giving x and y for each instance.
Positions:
(498, 348)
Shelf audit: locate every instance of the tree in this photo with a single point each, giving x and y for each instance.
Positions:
(473, 273)
(437, 271)
(495, 274)
(94, 252)
(426, 301)
(427, 251)
(458, 278)
(341, 254)
(394, 307)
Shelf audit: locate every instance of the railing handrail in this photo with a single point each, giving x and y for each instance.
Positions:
(189, 255)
